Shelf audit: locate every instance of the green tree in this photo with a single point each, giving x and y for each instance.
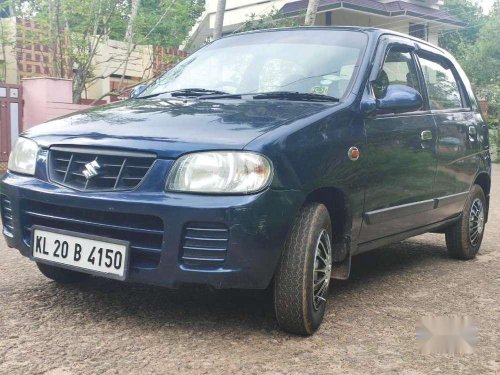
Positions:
(270, 20)
(477, 49)
(469, 12)
(6, 33)
(74, 29)
(481, 61)
(164, 23)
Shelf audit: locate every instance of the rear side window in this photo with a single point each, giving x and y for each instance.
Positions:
(443, 89)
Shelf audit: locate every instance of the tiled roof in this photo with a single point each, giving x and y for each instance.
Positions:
(393, 8)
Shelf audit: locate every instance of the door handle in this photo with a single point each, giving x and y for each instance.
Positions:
(426, 135)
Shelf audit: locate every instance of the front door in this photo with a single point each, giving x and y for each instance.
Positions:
(401, 153)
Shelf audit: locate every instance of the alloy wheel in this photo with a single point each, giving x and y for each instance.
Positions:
(322, 269)
(476, 221)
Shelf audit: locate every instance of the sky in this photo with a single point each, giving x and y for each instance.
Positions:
(485, 4)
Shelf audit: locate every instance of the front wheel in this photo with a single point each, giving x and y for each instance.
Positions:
(464, 238)
(303, 276)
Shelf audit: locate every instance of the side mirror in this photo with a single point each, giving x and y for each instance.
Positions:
(137, 90)
(400, 98)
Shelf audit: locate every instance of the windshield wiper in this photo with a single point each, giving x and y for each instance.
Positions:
(197, 92)
(286, 95)
(191, 92)
(291, 95)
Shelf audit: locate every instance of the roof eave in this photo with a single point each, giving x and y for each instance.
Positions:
(343, 5)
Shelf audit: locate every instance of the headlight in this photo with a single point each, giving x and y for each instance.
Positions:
(220, 172)
(23, 156)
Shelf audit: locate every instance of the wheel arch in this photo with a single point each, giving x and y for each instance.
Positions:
(336, 202)
(484, 181)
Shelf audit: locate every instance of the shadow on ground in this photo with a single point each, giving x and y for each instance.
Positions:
(102, 300)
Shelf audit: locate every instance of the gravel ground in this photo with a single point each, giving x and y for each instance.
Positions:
(104, 326)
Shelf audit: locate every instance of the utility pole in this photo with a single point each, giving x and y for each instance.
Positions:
(312, 10)
(219, 19)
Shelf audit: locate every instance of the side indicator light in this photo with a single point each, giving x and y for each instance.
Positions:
(353, 153)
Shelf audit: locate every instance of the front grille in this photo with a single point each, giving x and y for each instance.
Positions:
(144, 232)
(204, 245)
(6, 209)
(115, 170)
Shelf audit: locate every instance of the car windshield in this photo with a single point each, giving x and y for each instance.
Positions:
(308, 61)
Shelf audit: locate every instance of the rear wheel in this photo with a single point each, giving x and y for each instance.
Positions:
(61, 275)
(464, 238)
(303, 276)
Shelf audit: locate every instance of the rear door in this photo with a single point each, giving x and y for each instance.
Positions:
(457, 133)
(401, 154)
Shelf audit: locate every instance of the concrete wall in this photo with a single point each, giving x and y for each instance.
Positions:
(343, 17)
(28, 59)
(111, 59)
(46, 99)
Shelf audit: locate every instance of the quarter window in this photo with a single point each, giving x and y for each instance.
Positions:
(441, 85)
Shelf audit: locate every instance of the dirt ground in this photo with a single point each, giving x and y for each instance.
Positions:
(104, 326)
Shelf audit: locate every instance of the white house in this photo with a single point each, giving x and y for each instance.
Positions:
(420, 18)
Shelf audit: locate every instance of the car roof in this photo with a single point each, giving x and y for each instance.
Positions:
(373, 31)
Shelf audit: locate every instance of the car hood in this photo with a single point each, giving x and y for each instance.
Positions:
(170, 127)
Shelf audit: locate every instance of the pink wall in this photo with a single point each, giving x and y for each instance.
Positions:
(46, 99)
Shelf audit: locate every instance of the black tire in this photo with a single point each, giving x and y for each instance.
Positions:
(61, 275)
(460, 243)
(296, 308)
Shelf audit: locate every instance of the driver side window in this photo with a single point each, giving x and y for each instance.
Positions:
(398, 69)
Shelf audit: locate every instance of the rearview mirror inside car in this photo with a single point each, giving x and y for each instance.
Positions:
(137, 90)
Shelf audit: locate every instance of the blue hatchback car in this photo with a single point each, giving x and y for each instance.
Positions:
(265, 159)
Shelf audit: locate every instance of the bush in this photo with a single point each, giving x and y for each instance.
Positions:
(491, 93)
(495, 144)
(493, 122)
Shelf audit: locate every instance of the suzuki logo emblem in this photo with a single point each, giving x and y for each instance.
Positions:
(91, 169)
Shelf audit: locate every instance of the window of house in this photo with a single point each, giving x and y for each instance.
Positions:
(418, 30)
(328, 19)
(442, 86)
(398, 69)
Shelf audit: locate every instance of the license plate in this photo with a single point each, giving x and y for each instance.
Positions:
(81, 252)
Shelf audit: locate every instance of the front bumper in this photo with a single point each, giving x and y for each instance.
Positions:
(257, 226)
